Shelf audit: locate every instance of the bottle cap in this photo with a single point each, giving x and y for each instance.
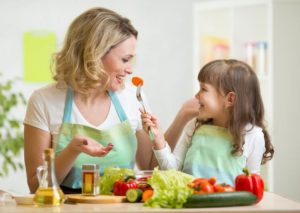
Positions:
(49, 152)
(90, 167)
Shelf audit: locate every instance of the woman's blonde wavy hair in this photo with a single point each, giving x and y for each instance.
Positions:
(90, 36)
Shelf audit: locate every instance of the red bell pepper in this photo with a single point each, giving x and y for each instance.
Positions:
(250, 182)
(121, 186)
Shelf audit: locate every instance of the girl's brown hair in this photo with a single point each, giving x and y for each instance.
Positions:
(90, 36)
(238, 77)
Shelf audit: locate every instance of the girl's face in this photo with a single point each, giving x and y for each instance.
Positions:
(212, 105)
(118, 62)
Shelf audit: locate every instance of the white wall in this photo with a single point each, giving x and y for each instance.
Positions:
(286, 98)
(164, 61)
(164, 55)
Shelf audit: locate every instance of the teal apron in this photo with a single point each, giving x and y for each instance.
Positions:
(210, 155)
(121, 136)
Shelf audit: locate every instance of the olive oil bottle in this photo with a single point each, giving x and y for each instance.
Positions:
(48, 193)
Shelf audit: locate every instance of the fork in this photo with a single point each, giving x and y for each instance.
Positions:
(140, 99)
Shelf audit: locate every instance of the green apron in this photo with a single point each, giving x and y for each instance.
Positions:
(120, 135)
(210, 155)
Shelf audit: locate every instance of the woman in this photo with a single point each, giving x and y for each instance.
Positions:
(88, 115)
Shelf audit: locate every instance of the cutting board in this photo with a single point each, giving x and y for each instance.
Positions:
(78, 198)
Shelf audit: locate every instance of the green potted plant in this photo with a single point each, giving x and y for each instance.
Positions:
(11, 134)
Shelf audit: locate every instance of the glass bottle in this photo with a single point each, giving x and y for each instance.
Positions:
(90, 177)
(49, 192)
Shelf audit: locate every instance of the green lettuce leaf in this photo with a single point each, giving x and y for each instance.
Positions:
(170, 188)
(110, 176)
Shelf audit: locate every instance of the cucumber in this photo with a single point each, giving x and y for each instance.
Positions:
(134, 195)
(219, 199)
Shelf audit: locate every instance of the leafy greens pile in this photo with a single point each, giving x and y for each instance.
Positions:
(170, 188)
(110, 176)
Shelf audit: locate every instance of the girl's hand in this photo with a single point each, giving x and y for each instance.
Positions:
(152, 122)
(89, 146)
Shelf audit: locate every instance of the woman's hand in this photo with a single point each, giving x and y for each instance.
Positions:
(89, 146)
(190, 109)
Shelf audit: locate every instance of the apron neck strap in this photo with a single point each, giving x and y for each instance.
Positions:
(68, 105)
(69, 101)
(118, 106)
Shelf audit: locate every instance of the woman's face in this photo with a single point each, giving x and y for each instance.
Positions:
(118, 62)
(212, 104)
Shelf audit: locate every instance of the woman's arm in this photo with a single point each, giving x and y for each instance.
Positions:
(188, 111)
(145, 157)
(37, 140)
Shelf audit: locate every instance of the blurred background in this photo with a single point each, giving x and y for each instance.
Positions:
(175, 39)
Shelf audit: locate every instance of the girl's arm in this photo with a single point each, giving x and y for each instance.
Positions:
(175, 160)
(162, 150)
(188, 111)
(254, 149)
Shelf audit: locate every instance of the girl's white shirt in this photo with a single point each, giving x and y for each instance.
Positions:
(45, 110)
(253, 149)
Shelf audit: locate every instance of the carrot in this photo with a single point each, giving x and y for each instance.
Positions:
(137, 81)
(147, 194)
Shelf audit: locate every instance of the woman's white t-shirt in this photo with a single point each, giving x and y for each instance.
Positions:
(46, 105)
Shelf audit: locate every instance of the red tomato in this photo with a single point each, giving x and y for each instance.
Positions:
(205, 187)
(223, 187)
(212, 180)
(250, 182)
(201, 186)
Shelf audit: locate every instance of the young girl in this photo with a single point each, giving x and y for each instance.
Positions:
(228, 134)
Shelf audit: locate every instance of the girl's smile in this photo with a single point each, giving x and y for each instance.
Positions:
(212, 105)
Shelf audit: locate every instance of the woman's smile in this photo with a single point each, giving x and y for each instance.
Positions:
(118, 62)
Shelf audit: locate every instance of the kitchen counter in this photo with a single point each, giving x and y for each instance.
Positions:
(270, 203)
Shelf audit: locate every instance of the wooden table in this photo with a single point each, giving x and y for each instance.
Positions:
(270, 203)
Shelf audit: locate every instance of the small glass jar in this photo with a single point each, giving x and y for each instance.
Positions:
(143, 175)
(90, 177)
